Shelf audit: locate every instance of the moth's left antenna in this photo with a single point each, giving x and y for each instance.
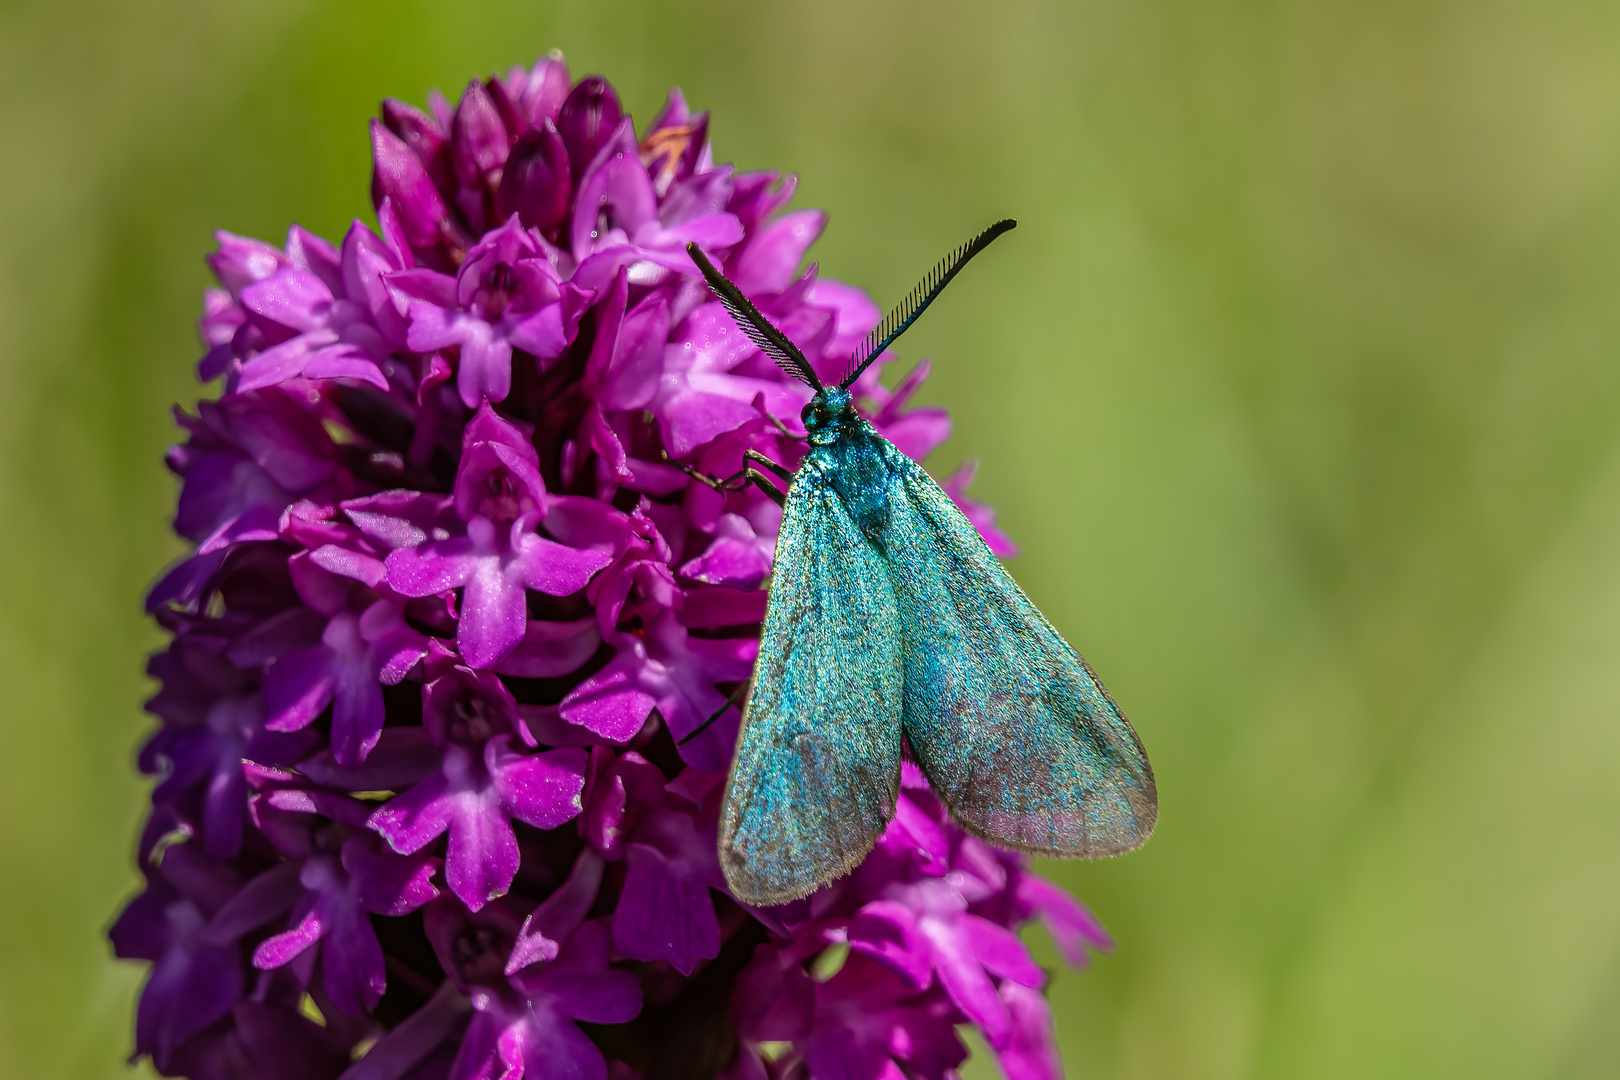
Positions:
(771, 341)
(900, 319)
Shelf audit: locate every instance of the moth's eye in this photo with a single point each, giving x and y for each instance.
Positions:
(806, 413)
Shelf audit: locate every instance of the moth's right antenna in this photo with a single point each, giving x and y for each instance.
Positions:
(900, 319)
(771, 341)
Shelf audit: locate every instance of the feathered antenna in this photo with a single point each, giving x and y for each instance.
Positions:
(900, 319)
(772, 341)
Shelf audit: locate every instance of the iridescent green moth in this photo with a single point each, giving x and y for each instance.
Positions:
(892, 627)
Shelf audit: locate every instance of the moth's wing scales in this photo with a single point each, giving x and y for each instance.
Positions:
(1011, 727)
(817, 769)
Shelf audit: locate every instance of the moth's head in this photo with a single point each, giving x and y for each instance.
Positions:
(827, 413)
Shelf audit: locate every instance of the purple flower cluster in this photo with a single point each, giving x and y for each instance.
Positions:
(420, 810)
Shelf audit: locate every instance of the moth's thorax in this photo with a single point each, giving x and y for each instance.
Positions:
(847, 454)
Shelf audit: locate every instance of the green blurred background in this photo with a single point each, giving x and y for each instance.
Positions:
(1299, 384)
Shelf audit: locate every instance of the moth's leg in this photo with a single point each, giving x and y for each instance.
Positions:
(742, 477)
(749, 475)
(781, 473)
(736, 696)
(772, 492)
(786, 434)
(707, 479)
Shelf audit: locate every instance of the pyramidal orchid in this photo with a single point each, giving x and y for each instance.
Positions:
(454, 597)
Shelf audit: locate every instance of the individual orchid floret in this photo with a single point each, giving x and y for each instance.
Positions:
(513, 975)
(336, 876)
(402, 178)
(310, 333)
(549, 925)
(367, 260)
(658, 664)
(665, 668)
(222, 320)
(539, 92)
(366, 644)
(967, 953)
(619, 791)
(196, 976)
(617, 208)
(239, 261)
(739, 557)
(535, 182)
(524, 1024)
(341, 891)
(862, 1022)
(588, 118)
(247, 460)
(498, 490)
(665, 912)
(623, 370)
(507, 294)
(479, 142)
(482, 786)
(676, 149)
(722, 373)
(531, 1027)
(213, 720)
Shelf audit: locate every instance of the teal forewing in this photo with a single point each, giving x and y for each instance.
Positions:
(1011, 727)
(817, 769)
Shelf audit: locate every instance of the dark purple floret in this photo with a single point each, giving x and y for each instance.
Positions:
(535, 184)
(587, 118)
(422, 809)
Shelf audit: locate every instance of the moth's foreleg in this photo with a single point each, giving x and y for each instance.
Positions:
(707, 479)
(786, 434)
(781, 473)
(742, 477)
(772, 492)
(759, 480)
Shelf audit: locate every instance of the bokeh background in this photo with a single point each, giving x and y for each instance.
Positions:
(1299, 385)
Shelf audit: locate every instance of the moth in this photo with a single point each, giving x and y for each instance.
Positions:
(891, 628)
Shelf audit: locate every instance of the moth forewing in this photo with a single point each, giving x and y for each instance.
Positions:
(1013, 730)
(817, 767)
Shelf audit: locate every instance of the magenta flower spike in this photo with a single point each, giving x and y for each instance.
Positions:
(454, 599)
